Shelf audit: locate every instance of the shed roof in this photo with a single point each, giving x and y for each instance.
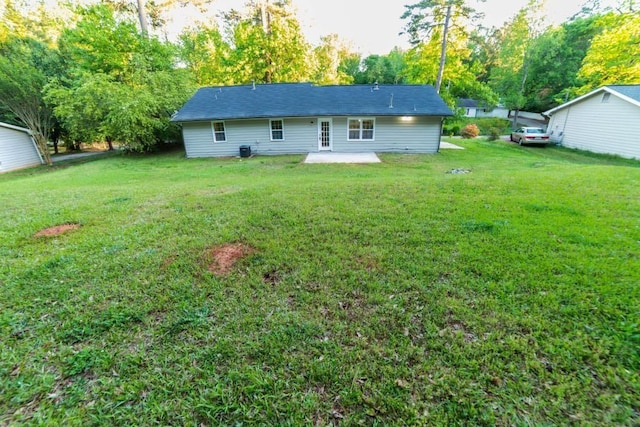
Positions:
(308, 100)
(8, 126)
(630, 93)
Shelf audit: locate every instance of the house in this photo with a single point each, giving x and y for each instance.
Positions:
(470, 106)
(499, 112)
(17, 148)
(603, 121)
(293, 118)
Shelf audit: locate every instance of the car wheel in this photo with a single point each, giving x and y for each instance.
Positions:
(521, 141)
(511, 137)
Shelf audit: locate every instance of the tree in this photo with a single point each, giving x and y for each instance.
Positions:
(554, 61)
(613, 55)
(327, 59)
(27, 63)
(207, 55)
(121, 85)
(428, 16)
(510, 75)
(26, 67)
(268, 45)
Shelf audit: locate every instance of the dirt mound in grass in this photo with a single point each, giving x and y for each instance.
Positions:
(56, 230)
(224, 257)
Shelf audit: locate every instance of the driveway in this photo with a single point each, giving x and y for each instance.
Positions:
(55, 158)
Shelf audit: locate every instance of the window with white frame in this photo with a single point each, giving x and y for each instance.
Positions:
(277, 129)
(219, 133)
(361, 129)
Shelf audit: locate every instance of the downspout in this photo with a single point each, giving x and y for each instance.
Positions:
(35, 146)
(440, 134)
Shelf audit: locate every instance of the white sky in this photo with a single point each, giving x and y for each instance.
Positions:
(373, 26)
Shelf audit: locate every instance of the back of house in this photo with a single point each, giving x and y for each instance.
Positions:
(293, 118)
(17, 148)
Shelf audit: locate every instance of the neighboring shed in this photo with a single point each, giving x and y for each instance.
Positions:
(302, 117)
(602, 121)
(17, 148)
(470, 106)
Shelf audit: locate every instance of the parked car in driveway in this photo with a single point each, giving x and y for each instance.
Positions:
(528, 135)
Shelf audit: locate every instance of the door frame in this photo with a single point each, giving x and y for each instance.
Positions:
(330, 121)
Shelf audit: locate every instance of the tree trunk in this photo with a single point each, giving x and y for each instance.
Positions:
(110, 144)
(443, 51)
(41, 142)
(142, 16)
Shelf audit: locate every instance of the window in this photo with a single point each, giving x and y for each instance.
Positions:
(277, 130)
(361, 129)
(219, 134)
(605, 97)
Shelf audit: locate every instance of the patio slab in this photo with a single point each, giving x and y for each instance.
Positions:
(342, 158)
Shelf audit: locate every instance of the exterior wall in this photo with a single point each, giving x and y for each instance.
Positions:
(498, 112)
(601, 127)
(470, 111)
(17, 150)
(392, 134)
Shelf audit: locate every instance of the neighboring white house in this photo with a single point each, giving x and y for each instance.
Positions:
(290, 118)
(605, 121)
(17, 148)
(498, 112)
(470, 106)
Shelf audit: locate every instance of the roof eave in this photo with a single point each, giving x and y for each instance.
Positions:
(607, 89)
(356, 114)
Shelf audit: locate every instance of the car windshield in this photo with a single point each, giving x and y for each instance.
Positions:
(534, 130)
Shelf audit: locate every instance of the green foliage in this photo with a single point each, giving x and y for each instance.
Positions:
(555, 59)
(470, 131)
(613, 55)
(328, 58)
(26, 66)
(510, 73)
(386, 294)
(460, 75)
(494, 134)
(120, 85)
(269, 52)
(384, 69)
(453, 125)
(206, 54)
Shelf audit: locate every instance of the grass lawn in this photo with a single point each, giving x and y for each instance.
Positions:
(379, 294)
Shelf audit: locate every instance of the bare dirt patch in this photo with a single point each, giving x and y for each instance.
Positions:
(225, 256)
(56, 230)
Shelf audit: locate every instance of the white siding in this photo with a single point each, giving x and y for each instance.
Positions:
(392, 134)
(17, 150)
(601, 127)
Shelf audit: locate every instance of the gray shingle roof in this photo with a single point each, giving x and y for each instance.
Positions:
(308, 100)
(467, 103)
(631, 91)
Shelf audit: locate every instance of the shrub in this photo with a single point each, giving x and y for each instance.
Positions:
(453, 125)
(494, 134)
(451, 128)
(470, 131)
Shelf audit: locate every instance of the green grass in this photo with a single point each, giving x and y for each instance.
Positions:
(380, 294)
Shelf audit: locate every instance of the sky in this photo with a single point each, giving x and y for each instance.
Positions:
(372, 27)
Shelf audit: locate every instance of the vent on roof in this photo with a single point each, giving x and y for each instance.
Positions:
(253, 84)
(391, 102)
(376, 86)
